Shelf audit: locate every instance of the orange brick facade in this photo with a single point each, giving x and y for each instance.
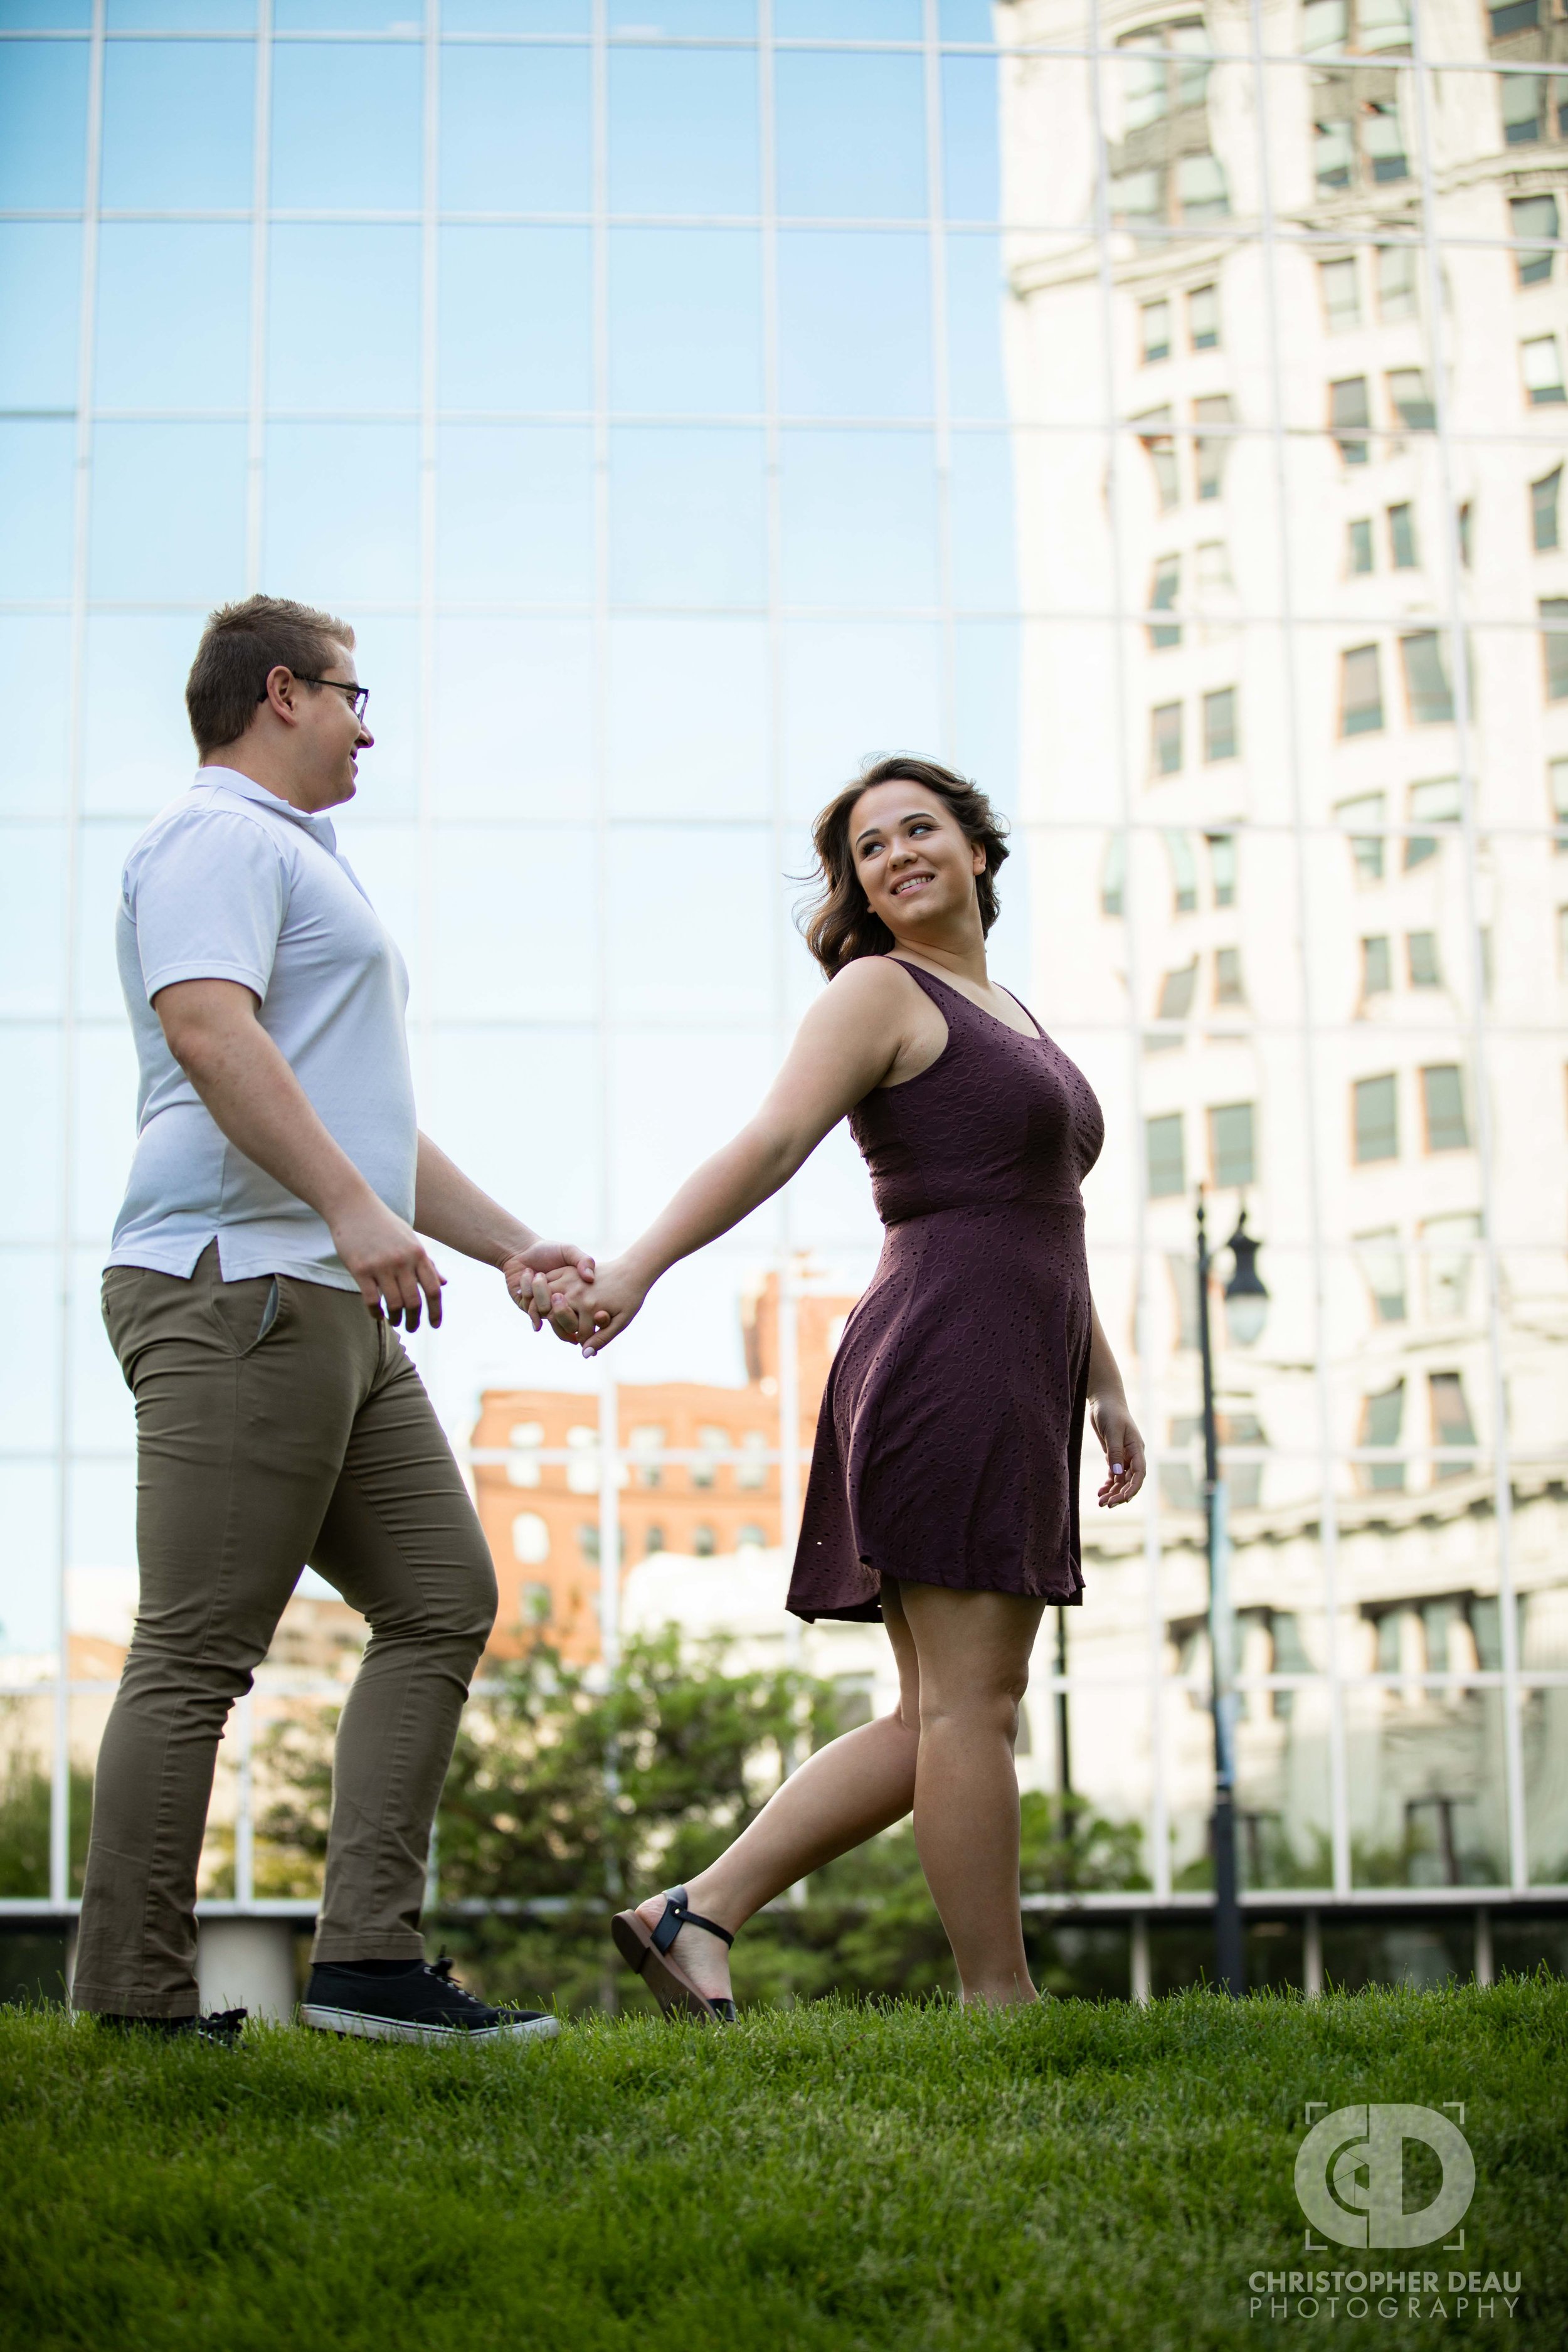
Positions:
(542, 1518)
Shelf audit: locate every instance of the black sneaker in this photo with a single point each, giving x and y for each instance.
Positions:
(421, 2005)
(222, 2028)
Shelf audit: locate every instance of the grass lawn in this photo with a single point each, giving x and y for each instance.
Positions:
(821, 2177)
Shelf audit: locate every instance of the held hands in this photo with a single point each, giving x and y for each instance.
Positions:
(1118, 1433)
(532, 1274)
(589, 1310)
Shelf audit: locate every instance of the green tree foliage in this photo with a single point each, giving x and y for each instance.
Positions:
(579, 1794)
(25, 1807)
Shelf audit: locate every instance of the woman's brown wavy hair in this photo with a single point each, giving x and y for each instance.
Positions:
(838, 925)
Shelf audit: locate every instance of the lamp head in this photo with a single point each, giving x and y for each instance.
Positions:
(1246, 1296)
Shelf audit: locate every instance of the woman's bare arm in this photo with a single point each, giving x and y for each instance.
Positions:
(845, 1046)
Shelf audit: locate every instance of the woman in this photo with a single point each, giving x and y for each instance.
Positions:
(944, 1488)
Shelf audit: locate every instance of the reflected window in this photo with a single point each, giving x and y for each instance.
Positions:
(1427, 691)
(1160, 443)
(1232, 1157)
(1202, 195)
(1163, 594)
(1221, 740)
(1546, 500)
(1113, 873)
(1384, 141)
(653, 1541)
(1211, 562)
(1451, 1424)
(1554, 646)
(1325, 25)
(1338, 282)
(530, 1539)
(1395, 282)
(1366, 849)
(1361, 691)
(646, 1442)
(1421, 963)
(751, 1470)
(1154, 320)
(1525, 105)
(1333, 154)
(704, 1543)
(1450, 1247)
(1165, 1157)
(1376, 1118)
(1382, 1421)
(1440, 801)
(1210, 453)
(524, 1441)
(1358, 545)
(1381, 1262)
(1348, 408)
(1228, 982)
(1177, 990)
(749, 1536)
(1557, 794)
(1402, 537)
(1202, 317)
(1165, 739)
(1222, 867)
(1183, 872)
(712, 1440)
(1514, 17)
(1410, 395)
(1533, 217)
(1541, 362)
(1443, 1108)
(1376, 966)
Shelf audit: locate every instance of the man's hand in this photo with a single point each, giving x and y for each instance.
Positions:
(529, 1274)
(388, 1261)
(1118, 1433)
(591, 1314)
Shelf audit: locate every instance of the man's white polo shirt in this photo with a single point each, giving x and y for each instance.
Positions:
(230, 883)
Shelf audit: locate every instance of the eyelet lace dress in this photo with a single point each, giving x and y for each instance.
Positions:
(948, 1444)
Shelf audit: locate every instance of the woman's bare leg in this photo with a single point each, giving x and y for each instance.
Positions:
(972, 1652)
(857, 1785)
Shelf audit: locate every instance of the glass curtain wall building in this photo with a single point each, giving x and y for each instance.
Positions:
(1159, 413)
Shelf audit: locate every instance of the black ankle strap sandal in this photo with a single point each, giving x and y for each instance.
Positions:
(648, 1952)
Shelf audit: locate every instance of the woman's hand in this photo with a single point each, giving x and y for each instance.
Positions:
(589, 1314)
(528, 1273)
(1118, 1433)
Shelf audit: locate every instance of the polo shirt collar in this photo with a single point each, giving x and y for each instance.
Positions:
(245, 788)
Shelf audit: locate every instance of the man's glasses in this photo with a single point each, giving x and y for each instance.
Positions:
(358, 695)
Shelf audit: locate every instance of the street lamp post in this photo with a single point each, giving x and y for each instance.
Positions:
(1247, 1303)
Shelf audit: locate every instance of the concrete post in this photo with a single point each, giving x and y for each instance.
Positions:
(1485, 1974)
(1142, 1973)
(1312, 1954)
(246, 1964)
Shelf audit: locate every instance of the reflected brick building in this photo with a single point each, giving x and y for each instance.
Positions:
(698, 1474)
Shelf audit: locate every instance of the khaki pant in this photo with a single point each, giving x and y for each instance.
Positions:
(277, 1422)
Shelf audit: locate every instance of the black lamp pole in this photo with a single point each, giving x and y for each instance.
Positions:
(1229, 1960)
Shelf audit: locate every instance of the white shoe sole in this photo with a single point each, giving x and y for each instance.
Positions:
(392, 2028)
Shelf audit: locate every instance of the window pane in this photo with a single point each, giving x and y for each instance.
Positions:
(854, 689)
(851, 20)
(32, 922)
(854, 324)
(177, 125)
(1361, 691)
(515, 514)
(1219, 724)
(1376, 1109)
(851, 137)
(688, 718)
(1166, 1158)
(343, 511)
(180, 16)
(343, 318)
(1442, 1103)
(168, 512)
(40, 300)
(685, 19)
(971, 154)
(687, 516)
(685, 321)
(516, 130)
(516, 311)
(860, 518)
(1554, 646)
(1339, 284)
(683, 132)
(1231, 1155)
(194, 279)
(681, 901)
(1165, 739)
(976, 288)
(34, 685)
(139, 752)
(494, 962)
(1426, 684)
(1529, 218)
(346, 126)
(1545, 497)
(43, 125)
(486, 764)
(979, 522)
(516, 16)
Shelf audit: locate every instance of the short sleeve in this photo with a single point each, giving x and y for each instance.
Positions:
(207, 897)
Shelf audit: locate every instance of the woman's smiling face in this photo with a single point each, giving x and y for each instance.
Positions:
(913, 859)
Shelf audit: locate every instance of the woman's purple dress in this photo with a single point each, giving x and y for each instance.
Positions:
(948, 1444)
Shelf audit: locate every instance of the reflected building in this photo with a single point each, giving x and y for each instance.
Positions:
(1286, 376)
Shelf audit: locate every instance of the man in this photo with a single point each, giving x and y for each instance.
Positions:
(267, 1246)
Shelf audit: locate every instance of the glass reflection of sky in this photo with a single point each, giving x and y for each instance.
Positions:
(647, 520)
